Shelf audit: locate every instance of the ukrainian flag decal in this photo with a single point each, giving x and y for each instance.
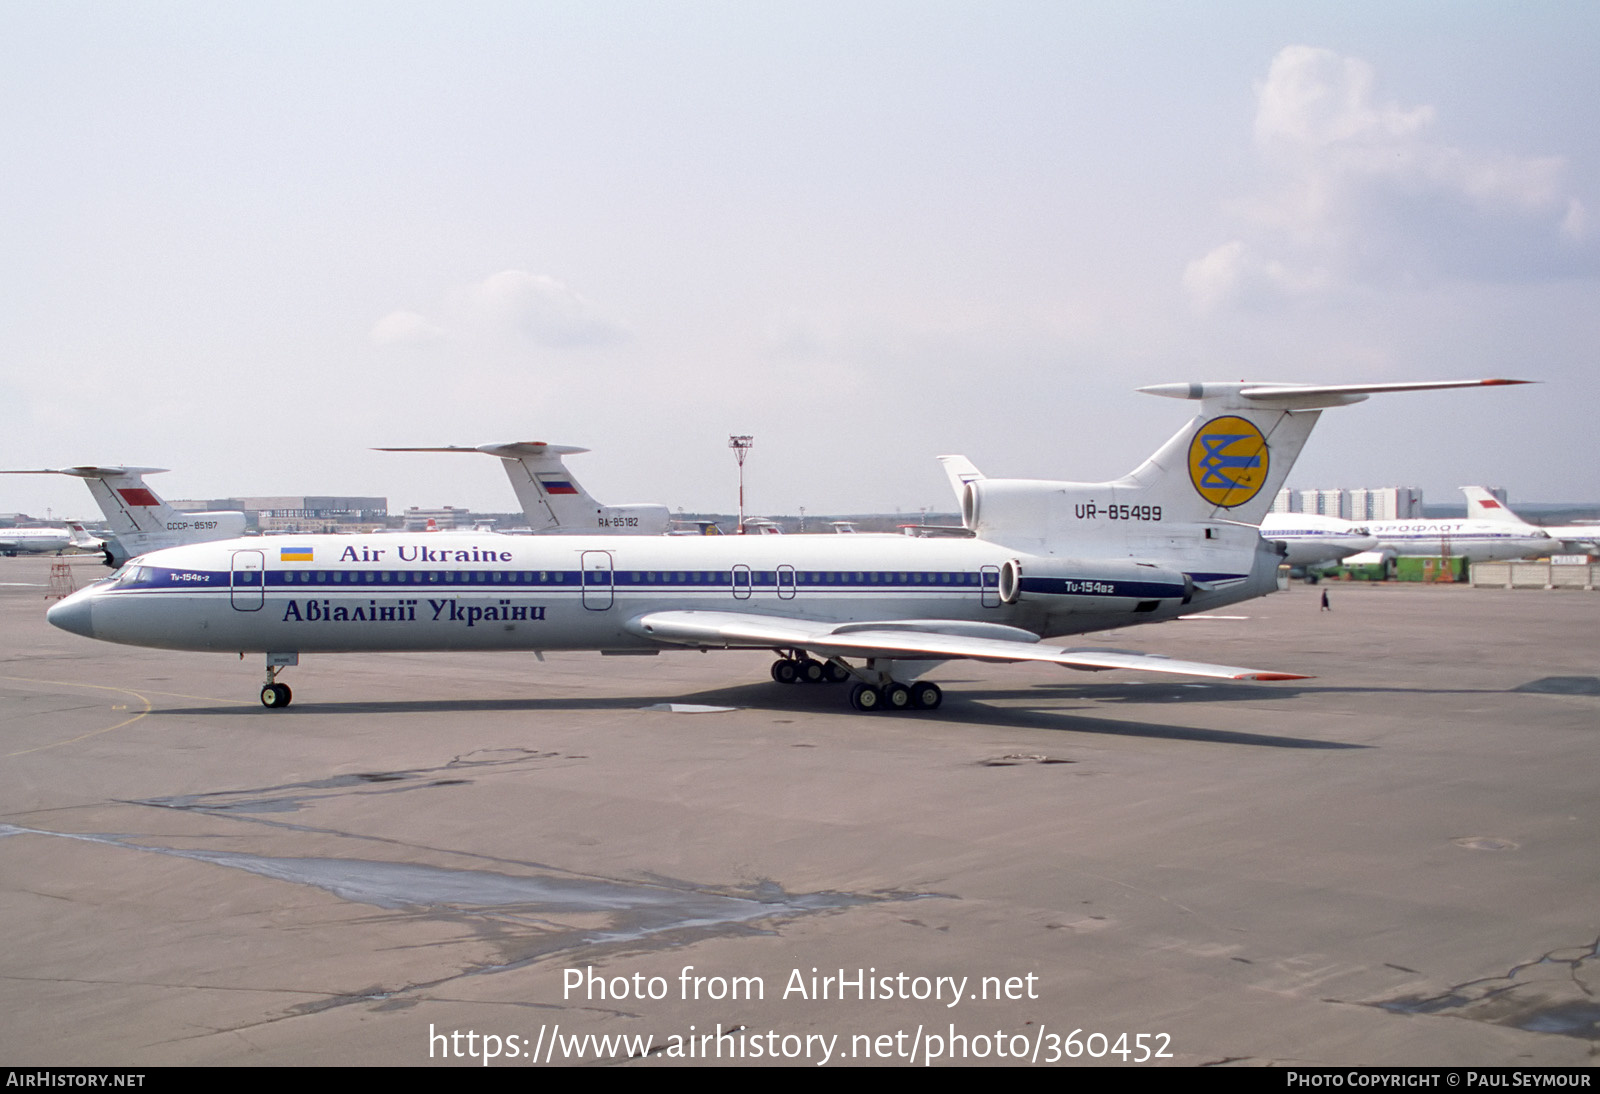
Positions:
(1228, 461)
(294, 554)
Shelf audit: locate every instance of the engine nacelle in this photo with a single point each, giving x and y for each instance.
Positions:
(1061, 584)
(1032, 515)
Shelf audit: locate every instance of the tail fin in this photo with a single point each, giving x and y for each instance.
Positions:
(1482, 505)
(551, 498)
(128, 504)
(82, 539)
(960, 471)
(1225, 466)
(137, 520)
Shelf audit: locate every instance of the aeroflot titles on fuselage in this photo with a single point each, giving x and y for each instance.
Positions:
(1456, 528)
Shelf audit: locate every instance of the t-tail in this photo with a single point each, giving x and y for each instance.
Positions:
(81, 539)
(552, 500)
(1192, 506)
(137, 519)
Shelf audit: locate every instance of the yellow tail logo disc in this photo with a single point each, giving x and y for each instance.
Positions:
(1228, 461)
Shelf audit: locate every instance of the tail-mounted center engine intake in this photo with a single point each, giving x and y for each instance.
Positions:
(1078, 586)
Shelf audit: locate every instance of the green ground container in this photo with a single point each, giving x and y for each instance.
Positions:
(1376, 571)
(1442, 570)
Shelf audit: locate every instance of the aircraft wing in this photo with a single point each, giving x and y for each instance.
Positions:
(1586, 536)
(911, 640)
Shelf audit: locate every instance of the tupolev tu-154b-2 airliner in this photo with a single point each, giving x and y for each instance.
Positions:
(1047, 559)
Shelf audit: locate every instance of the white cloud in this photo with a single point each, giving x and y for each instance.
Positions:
(510, 305)
(1313, 97)
(1575, 225)
(1360, 192)
(541, 308)
(1235, 273)
(400, 328)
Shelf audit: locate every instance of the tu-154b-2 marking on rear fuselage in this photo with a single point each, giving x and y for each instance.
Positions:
(1047, 559)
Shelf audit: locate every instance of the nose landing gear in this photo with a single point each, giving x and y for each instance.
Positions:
(276, 696)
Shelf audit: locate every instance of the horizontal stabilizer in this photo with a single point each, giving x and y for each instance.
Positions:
(90, 472)
(1225, 466)
(552, 500)
(137, 519)
(515, 450)
(1309, 396)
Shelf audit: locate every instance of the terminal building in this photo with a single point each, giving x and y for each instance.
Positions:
(443, 520)
(1360, 503)
(302, 513)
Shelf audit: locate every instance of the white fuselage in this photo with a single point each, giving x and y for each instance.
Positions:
(34, 540)
(16, 541)
(487, 591)
(1049, 558)
(178, 528)
(1313, 540)
(1574, 538)
(1473, 540)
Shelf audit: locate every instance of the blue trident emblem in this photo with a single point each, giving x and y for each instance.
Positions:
(1228, 478)
(1215, 461)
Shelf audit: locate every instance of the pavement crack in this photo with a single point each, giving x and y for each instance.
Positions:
(1521, 997)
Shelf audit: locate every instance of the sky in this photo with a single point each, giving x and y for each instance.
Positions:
(251, 242)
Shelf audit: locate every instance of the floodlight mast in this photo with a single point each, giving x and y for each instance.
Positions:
(741, 445)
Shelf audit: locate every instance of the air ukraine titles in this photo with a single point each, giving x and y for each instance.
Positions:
(405, 611)
(424, 554)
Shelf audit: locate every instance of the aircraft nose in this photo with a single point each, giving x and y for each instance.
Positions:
(73, 614)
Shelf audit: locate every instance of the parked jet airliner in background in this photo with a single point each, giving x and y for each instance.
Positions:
(1484, 506)
(1174, 536)
(1475, 540)
(1313, 540)
(1490, 533)
(552, 500)
(34, 541)
(137, 520)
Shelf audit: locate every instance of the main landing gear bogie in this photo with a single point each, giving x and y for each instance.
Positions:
(896, 696)
(865, 697)
(808, 670)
